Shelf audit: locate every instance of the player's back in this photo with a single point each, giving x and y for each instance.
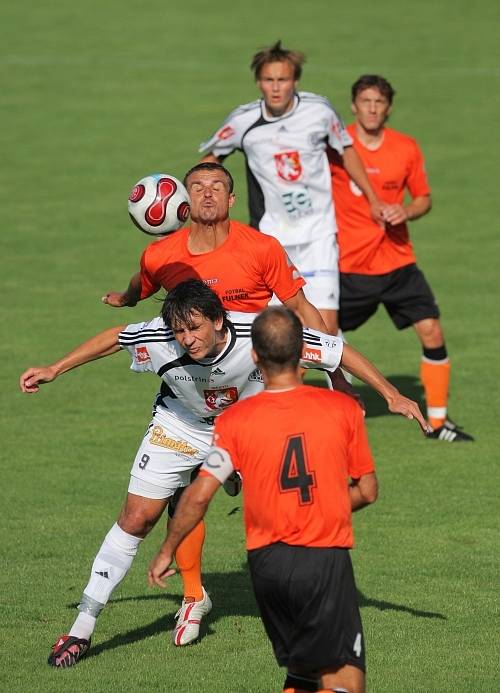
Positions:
(296, 450)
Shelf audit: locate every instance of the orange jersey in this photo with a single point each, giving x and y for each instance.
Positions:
(295, 451)
(397, 165)
(244, 271)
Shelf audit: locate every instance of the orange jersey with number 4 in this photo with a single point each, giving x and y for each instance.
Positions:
(295, 451)
(244, 271)
(395, 166)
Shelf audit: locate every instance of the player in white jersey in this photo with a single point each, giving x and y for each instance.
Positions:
(284, 136)
(205, 364)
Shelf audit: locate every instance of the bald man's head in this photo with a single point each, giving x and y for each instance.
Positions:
(277, 339)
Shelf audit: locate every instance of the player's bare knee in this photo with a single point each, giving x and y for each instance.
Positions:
(138, 520)
(430, 333)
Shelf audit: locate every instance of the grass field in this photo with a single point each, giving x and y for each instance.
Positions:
(97, 94)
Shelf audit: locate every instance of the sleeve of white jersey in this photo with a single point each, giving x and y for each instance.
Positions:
(338, 137)
(321, 350)
(132, 340)
(226, 139)
(218, 463)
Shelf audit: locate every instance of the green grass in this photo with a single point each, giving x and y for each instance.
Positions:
(94, 96)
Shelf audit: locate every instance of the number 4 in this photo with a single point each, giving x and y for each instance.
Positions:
(294, 473)
(357, 645)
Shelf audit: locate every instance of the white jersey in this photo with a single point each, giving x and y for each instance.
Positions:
(289, 181)
(197, 391)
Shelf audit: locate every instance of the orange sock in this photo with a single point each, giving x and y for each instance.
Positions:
(188, 559)
(435, 377)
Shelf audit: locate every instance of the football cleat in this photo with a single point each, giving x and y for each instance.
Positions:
(232, 485)
(189, 617)
(67, 651)
(451, 433)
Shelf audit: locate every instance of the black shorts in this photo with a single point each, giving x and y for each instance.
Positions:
(309, 605)
(404, 293)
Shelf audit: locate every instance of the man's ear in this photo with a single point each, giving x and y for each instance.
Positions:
(254, 357)
(232, 200)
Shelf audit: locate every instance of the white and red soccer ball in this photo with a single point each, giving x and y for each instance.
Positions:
(158, 204)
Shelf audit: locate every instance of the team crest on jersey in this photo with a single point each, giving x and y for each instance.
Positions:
(225, 133)
(142, 354)
(220, 397)
(311, 354)
(288, 165)
(255, 376)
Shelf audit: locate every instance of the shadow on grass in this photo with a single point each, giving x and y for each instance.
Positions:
(389, 606)
(233, 596)
(408, 385)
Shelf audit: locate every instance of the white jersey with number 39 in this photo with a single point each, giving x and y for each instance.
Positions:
(289, 182)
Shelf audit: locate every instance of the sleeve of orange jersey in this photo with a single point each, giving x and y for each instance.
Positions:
(417, 182)
(360, 455)
(280, 275)
(149, 285)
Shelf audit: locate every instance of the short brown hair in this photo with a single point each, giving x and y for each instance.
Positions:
(277, 339)
(375, 82)
(277, 54)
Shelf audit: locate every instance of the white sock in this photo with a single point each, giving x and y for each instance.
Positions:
(110, 566)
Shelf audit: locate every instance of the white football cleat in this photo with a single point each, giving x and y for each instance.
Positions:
(189, 618)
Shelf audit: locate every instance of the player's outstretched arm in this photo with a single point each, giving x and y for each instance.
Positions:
(191, 509)
(362, 368)
(103, 344)
(130, 297)
(308, 314)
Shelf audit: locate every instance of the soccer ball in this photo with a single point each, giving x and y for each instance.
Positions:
(158, 204)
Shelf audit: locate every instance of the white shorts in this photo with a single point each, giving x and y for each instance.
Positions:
(318, 263)
(169, 452)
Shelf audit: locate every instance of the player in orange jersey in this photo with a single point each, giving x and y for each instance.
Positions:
(242, 266)
(377, 262)
(297, 509)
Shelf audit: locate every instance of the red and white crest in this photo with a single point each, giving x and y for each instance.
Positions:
(221, 397)
(225, 133)
(288, 165)
(142, 354)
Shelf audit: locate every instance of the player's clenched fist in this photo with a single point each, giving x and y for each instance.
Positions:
(31, 379)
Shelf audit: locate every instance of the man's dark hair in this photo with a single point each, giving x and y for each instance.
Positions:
(211, 166)
(277, 54)
(277, 339)
(191, 296)
(376, 81)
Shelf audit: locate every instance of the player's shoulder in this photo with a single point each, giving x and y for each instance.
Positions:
(164, 245)
(400, 138)
(246, 110)
(308, 97)
(146, 332)
(251, 235)
(241, 322)
(331, 398)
